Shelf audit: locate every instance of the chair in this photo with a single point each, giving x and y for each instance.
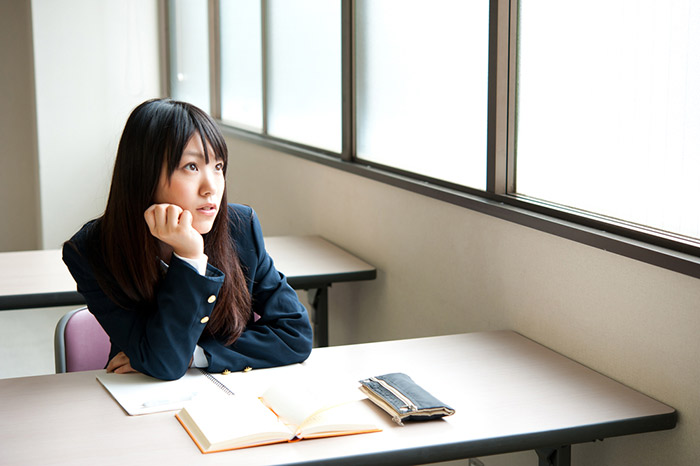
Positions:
(80, 343)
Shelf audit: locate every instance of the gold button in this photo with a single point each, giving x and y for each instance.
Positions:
(211, 299)
(226, 372)
(204, 319)
(247, 369)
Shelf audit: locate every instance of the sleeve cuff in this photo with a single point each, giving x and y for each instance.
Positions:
(199, 358)
(199, 265)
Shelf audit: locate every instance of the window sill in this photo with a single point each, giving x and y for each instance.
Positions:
(684, 259)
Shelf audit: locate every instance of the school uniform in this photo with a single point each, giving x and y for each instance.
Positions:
(160, 339)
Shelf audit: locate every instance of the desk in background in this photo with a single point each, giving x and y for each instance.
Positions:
(33, 279)
(313, 263)
(510, 394)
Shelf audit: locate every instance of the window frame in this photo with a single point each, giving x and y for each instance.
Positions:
(665, 250)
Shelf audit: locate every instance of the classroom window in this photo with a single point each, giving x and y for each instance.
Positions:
(189, 51)
(575, 119)
(304, 92)
(608, 109)
(422, 83)
(241, 63)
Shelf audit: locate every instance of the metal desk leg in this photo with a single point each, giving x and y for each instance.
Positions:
(559, 456)
(318, 298)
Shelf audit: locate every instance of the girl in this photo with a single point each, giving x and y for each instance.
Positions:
(175, 275)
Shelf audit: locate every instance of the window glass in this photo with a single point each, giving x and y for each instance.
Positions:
(304, 72)
(241, 63)
(189, 52)
(422, 86)
(608, 108)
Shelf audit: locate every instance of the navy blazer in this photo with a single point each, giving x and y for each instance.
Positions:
(160, 341)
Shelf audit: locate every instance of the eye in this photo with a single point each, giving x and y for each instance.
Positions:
(219, 166)
(190, 166)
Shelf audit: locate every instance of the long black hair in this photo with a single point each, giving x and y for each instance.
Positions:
(155, 134)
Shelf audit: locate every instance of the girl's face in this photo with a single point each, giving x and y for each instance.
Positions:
(195, 185)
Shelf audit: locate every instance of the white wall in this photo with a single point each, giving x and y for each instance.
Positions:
(95, 60)
(444, 269)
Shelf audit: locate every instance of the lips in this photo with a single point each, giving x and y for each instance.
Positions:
(207, 209)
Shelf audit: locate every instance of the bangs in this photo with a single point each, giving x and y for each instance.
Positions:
(211, 137)
(188, 121)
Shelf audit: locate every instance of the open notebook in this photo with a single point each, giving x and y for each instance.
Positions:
(285, 412)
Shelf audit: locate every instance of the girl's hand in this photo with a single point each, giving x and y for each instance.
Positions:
(120, 364)
(173, 226)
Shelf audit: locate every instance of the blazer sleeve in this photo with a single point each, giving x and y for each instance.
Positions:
(282, 333)
(159, 341)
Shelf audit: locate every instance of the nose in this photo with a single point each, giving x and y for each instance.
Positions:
(208, 186)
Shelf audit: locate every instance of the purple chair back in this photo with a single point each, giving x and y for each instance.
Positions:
(85, 344)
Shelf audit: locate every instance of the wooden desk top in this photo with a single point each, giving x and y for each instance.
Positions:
(40, 279)
(509, 393)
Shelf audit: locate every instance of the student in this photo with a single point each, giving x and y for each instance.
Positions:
(175, 275)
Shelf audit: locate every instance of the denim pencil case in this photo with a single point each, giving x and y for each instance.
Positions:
(403, 399)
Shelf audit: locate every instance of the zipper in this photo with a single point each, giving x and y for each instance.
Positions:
(406, 401)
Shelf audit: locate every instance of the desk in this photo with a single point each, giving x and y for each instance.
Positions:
(510, 394)
(313, 263)
(32, 279)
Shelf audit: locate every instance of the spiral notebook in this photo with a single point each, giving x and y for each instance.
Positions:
(141, 394)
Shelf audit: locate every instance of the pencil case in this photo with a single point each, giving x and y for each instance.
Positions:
(403, 399)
